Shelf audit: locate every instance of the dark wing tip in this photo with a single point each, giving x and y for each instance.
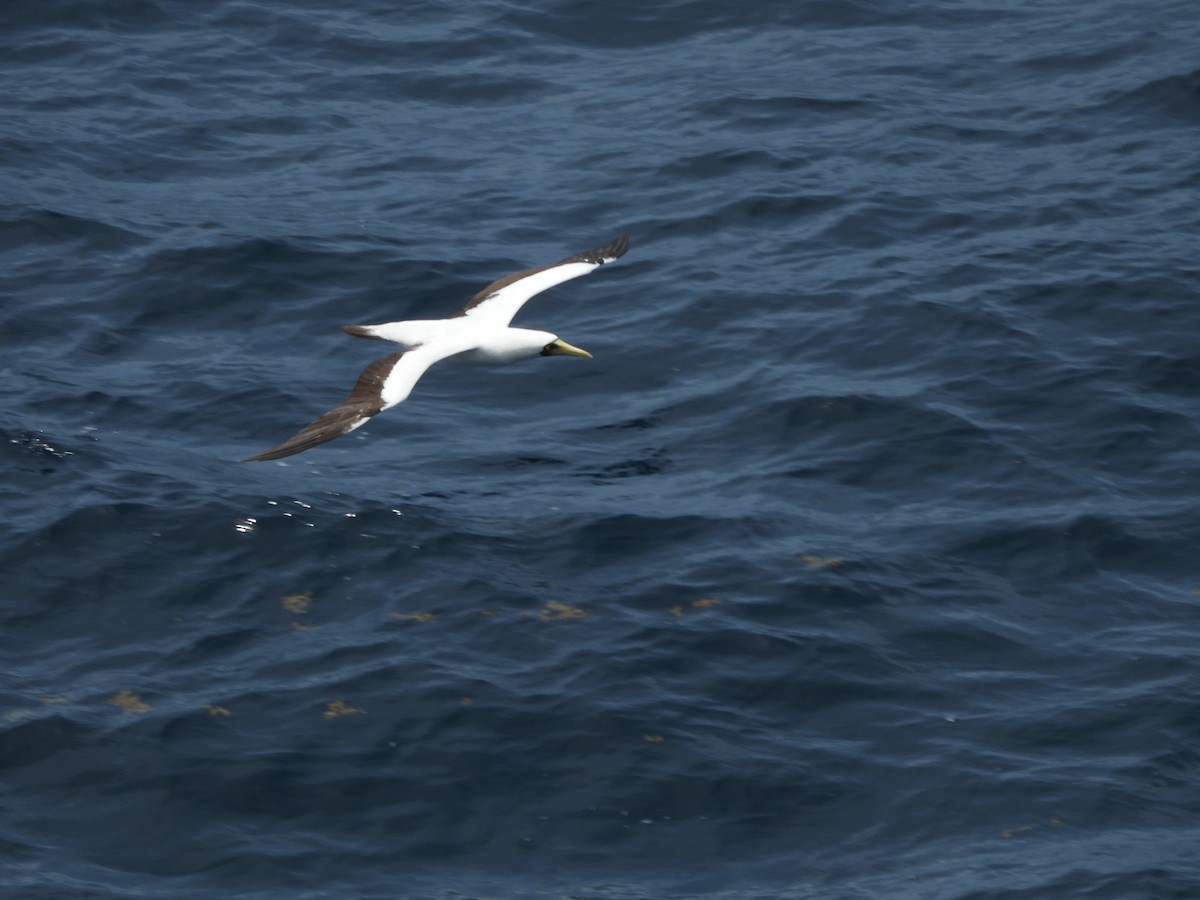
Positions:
(338, 421)
(610, 251)
(364, 401)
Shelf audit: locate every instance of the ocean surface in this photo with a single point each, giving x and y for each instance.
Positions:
(862, 561)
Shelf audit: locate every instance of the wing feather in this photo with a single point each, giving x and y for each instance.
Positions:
(364, 401)
(384, 383)
(503, 298)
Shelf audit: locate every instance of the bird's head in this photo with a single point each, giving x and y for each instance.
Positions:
(558, 347)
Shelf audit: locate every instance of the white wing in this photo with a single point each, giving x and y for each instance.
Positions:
(502, 299)
(384, 383)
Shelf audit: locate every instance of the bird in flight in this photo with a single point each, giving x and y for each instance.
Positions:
(478, 333)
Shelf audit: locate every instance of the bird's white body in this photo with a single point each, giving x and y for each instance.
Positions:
(507, 346)
(471, 343)
(410, 333)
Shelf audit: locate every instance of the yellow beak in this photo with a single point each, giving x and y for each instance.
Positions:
(562, 348)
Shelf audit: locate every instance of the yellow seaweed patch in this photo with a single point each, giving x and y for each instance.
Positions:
(653, 738)
(554, 610)
(297, 603)
(706, 602)
(340, 708)
(217, 711)
(676, 610)
(17, 715)
(54, 701)
(822, 562)
(130, 702)
(296, 626)
(414, 617)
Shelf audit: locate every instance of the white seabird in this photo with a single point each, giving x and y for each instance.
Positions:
(478, 333)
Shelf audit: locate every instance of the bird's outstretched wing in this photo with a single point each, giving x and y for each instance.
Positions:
(502, 299)
(382, 384)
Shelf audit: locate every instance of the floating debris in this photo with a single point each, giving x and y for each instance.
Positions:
(554, 610)
(339, 708)
(130, 702)
(703, 603)
(413, 617)
(822, 562)
(297, 603)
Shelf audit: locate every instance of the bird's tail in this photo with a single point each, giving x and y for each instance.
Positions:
(363, 331)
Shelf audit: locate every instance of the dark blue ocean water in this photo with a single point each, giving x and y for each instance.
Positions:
(860, 562)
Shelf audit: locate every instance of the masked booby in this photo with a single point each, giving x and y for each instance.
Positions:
(478, 333)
